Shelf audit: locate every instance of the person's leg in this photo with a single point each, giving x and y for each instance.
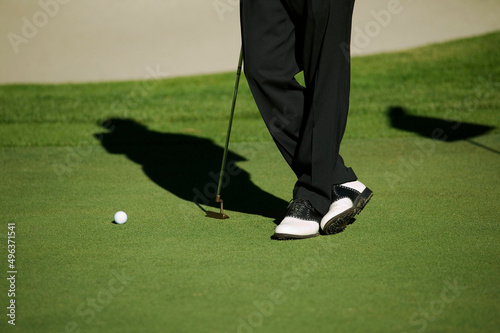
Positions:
(281, 37)
(271, 41)
(326, 63)
(270, 65)
(326, 182)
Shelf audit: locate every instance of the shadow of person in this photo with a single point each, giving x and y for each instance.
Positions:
(435, 128)
(188, 167)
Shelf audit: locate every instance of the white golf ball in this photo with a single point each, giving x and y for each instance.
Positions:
(120, 217)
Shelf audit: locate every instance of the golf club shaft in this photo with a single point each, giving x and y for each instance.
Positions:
(233, 104)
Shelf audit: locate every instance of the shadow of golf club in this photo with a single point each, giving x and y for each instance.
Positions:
(188, 167)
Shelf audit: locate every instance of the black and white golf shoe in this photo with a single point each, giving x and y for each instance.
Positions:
(301, 221)
(348, 201)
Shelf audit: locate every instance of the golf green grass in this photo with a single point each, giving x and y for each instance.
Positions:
(424, 255)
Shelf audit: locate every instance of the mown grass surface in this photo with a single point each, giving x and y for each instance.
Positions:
(456, 80)
(423, 256)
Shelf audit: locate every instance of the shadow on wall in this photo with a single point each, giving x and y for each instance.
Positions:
(435, 128)
(188, 167)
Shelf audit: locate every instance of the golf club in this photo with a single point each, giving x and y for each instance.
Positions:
(221, 215)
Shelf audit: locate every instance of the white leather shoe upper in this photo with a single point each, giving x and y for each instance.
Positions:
(336, 208)
(339, 206)
(295, 226)
(355, 185)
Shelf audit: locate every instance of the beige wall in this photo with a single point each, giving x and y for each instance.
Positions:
(95, 40)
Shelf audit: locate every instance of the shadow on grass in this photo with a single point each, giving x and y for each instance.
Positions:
(435, 128)
(188, 167)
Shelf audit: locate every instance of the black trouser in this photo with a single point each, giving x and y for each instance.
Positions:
(280, 39)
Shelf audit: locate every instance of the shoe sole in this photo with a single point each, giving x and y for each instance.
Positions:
(292, 237)
(340, 222)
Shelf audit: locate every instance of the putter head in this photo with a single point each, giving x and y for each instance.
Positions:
(215, 215)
